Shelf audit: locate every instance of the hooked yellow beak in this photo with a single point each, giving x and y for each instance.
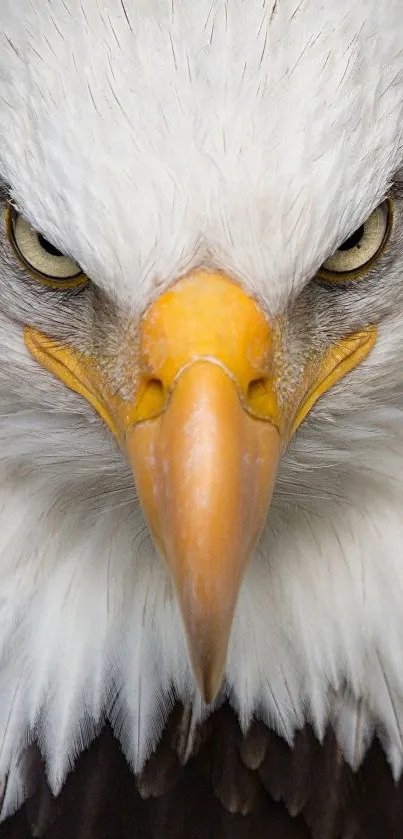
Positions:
(204, 429)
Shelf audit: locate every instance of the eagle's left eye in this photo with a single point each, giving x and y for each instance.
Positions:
(359, 252)
(39, 257)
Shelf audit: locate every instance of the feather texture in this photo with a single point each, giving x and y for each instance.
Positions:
(304, 792)
(192, 119)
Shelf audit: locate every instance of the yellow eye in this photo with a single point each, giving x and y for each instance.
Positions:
(39, 257)
(361, 250)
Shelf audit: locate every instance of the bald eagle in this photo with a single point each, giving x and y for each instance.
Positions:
(201, 435)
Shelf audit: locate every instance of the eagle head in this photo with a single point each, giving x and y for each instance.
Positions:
(201, 378)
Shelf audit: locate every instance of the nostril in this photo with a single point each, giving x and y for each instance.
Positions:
(153, 398)
(156, 387)
(256, 389)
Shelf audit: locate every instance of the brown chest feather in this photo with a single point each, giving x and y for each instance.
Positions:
(232, 787)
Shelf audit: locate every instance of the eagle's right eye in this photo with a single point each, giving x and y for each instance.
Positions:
(40, 258)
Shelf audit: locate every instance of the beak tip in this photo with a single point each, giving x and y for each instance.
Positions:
(209, 680)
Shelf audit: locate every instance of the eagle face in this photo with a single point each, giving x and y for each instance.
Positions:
(200, 259)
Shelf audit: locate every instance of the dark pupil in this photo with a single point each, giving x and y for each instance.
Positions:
(354, 240)
(47, 246)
